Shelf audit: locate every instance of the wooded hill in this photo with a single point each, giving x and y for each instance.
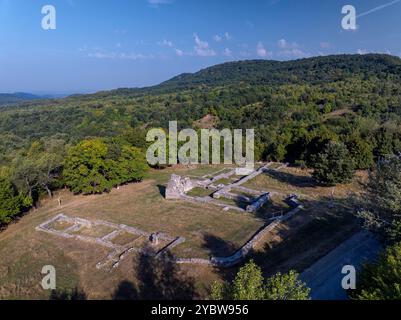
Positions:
(296, 108)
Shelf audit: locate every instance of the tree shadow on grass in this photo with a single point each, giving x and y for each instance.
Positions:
(328, 223)
(68, 294)
(217, 246)
(126, 290)
(271, 210)
(292, 179)
(157, 279)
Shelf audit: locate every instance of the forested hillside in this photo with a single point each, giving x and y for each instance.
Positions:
(296, 108)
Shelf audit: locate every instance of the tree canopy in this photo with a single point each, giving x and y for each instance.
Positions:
(11, 202)
(383, 199)
(334, 164)
(249, 284)
(94, 166)
(381, 280)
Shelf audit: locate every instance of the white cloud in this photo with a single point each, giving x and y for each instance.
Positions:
(292, 53)
(117, 55)
(284, 44)
(261, 51)
(289, 49)
(166, 43)
(226, 36)
(157, 3)
(217, 38)
(179, 52)
(227, 52)
(202, 48)
(362, 51)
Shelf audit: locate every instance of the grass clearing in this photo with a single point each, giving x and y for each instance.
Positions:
(208, 231)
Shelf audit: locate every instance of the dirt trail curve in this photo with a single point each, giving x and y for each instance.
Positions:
(324, 277)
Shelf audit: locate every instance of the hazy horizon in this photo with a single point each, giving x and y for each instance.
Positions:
(102, 45)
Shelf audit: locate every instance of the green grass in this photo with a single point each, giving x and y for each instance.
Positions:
(200, 192)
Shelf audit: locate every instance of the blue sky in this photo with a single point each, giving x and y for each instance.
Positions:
(105, 44)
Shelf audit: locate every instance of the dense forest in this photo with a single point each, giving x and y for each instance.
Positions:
(303, 112)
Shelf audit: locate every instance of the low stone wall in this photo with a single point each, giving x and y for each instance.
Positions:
(170, 246)
(118, 252)
(258, 203)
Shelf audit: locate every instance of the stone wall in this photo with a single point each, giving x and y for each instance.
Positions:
(178, 186)
(258, 203)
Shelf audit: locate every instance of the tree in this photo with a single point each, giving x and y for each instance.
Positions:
(381, 280)
(95, 166)
(39, 168)
(334, 164)
(249, 284)
(286, 287)
(11, 203)
(383, 198)
(361, 152)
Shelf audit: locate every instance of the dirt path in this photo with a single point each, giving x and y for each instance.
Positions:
(324, 277)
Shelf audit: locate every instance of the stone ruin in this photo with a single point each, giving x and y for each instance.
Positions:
(73, 225)
(178, 186)
(154, 239)
(258, 203)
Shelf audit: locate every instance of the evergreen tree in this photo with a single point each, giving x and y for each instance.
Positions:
(334, 164)
(10, 201)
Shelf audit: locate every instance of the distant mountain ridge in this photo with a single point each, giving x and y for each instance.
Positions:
(10, 98)
(315, 70)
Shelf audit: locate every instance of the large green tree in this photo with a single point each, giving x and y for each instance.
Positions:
(334, 164)
(95, 166)
(381, 280)
(361, 152)
(11, 203)
(249, 284)
(39, 168)
(383, 198)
